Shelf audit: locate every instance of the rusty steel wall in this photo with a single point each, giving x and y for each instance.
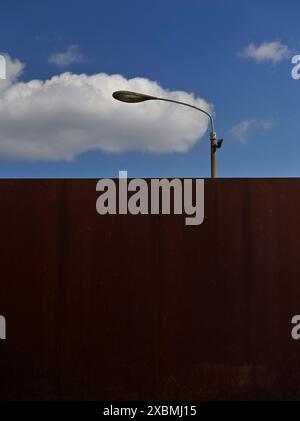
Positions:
(145, 307)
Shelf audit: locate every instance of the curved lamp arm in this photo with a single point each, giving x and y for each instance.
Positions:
(212, 125)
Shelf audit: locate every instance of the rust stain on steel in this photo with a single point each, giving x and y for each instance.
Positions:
(145, 307)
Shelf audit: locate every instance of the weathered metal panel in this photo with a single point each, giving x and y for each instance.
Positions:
(145, 307)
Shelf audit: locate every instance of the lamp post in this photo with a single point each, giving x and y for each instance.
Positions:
(134, 97)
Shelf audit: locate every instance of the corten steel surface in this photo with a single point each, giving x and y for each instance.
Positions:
(145, 307)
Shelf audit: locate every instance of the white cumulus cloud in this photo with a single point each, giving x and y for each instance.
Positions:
(60, 118)
(274, 52)
(245, 127)
(71, 55)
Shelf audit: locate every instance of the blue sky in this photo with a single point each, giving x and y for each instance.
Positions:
(193, 46)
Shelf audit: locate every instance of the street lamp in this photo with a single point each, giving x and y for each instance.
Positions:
(134, 97)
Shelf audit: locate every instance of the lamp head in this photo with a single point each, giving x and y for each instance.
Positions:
(131, 97)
